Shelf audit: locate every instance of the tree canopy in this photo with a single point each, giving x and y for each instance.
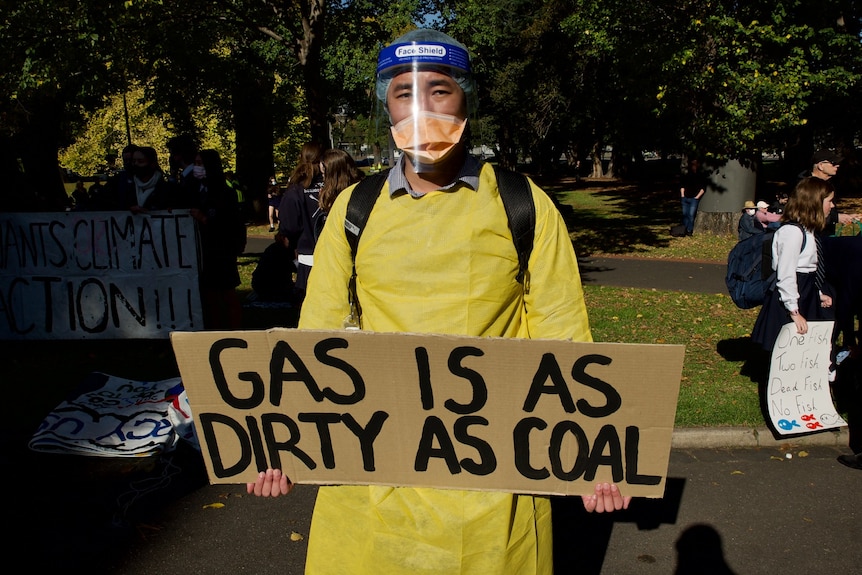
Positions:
(558, 78)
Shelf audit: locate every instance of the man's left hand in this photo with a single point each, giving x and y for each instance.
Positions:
(606, 498)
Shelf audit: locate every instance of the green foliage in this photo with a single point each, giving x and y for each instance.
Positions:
(740, 78)
(556, 77)
(105, 133)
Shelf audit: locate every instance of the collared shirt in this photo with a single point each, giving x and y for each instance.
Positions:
(398, 183)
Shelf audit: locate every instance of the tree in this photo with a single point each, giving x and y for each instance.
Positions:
(740, 76)
(56, 66)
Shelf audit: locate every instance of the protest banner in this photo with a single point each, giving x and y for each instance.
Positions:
(353, 407)
(98, 275)
(798, 396)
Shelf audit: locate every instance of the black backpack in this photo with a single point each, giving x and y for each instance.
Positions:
(517, 200)
(749, 269)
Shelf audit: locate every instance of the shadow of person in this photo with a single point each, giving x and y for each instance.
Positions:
(699, 552)
(755, 361)
(581, 539)
(755, 366)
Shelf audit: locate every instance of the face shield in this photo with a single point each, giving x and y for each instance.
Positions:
(426, 87)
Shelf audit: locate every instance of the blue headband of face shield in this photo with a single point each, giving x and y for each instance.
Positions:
(425, 55)
(432, 53)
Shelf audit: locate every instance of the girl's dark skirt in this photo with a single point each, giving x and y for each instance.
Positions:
(773, 314)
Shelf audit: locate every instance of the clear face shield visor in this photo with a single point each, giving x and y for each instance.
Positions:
(426, 90)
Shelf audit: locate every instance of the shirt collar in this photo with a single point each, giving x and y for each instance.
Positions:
(469, 176)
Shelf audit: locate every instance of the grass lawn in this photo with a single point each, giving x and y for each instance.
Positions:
(714, 389)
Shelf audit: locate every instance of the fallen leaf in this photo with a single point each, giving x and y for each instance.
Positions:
(775, 457)
(294, 536)
(737, 472)
(802, 454)
(213, 506)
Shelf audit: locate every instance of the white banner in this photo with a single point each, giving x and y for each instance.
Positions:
(98, 275)
(798, 396)
(109, 416)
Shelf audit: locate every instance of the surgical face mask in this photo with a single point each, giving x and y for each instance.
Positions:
(199, 172)
(427, 137)
(750, 211)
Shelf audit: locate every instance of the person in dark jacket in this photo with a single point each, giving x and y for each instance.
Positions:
(299, 210)
(222, 233)
(148, 189)
(748, 223)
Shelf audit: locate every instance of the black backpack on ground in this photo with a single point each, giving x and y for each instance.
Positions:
(749, 269)
(517, 200)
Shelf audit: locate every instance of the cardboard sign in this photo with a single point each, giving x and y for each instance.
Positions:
(798, 396)
(98, 275)
(353, 407)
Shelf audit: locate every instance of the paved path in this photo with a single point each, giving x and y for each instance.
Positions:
(752, 510)
(660, 274)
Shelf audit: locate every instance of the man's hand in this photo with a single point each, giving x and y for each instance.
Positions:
(270, 483)
(606, 498)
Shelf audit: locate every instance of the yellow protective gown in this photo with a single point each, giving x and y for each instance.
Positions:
(443, 263)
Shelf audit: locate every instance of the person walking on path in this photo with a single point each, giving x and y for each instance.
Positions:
(437, 256)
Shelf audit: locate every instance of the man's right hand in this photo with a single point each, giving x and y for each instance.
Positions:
(270, 483)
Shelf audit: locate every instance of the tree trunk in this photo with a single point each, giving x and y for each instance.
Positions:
(730, 184)
(598, 170)
(309, 48)
(252, 112)
(37, 149)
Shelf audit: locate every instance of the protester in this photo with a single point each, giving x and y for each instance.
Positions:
(824, 166)
(119, 185)
(273, 200)
(149, 190)
(846, 277)
(272, 279)
(300, 209)
(748, 224)
(339, 172)
(777, 207)
(436, 256)
(767, 219)
(691, 190)
(801, 294)
(80, 196)
(222, 236)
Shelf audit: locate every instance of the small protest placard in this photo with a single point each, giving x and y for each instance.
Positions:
(798, 397)
(353, 407)
(98, 275)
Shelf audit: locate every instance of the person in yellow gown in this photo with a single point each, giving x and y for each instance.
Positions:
(437, 256)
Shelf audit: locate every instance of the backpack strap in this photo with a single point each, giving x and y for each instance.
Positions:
(521, 212)
(769, 275)
(359, 207)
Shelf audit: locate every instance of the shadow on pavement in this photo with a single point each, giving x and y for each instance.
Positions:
(581, 539)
